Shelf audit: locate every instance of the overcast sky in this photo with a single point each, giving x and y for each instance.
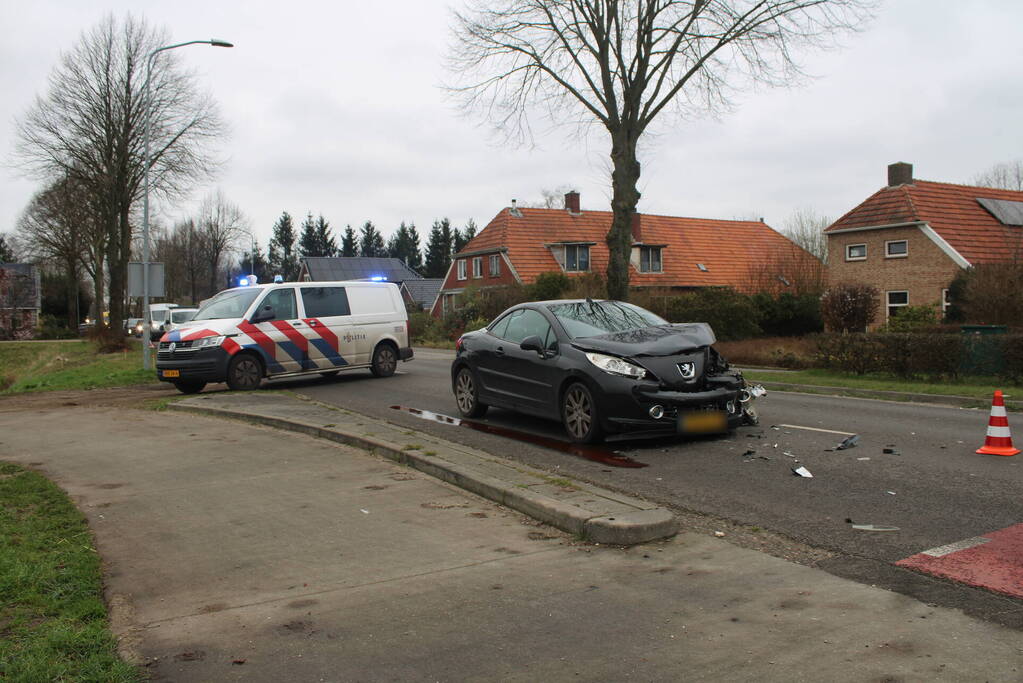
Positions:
(335, 108)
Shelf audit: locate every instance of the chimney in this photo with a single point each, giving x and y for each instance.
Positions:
(572, 202)
(900, 173)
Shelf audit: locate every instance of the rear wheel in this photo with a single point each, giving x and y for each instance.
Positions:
(385, 361)
(467, 395)
(189, 387)
(579, 414)
(244, 373)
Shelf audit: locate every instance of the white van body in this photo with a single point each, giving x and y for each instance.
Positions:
(158, 314)
(278, 330)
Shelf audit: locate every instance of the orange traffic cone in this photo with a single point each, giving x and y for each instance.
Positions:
(999, 440)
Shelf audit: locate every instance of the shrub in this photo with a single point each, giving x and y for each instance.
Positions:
(856, 352)
(731, 314)
(788, 315)
(548, 286)
(913, 319)
(1012, 352)
(994, 294)
(107, 339)
(849, 308)
(587, 286)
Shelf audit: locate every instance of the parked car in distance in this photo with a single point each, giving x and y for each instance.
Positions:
(244, 334)
(603, 367)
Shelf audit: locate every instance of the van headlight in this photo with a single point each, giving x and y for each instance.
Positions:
(207, 342)
(613, 365)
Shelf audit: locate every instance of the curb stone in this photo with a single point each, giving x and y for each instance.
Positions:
(587, 511)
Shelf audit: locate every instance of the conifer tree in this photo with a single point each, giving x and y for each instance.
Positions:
(283, 259)
(439, 249)
(371, 242)
(349, 242)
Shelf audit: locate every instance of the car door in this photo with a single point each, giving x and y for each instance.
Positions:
(332, 343)
(284, 329)
(528, 378)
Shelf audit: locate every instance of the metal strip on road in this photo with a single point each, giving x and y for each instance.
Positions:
(993, 561)
(818, 429)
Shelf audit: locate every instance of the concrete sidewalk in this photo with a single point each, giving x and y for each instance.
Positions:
(239, 552)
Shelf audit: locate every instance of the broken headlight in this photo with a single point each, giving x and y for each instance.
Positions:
(613, 365)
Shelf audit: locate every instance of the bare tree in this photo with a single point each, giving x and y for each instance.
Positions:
(55, 226)
(622, 64)
(89, 127)
(550, 198)
(806, 228)
(1007, 176)
(220, 226)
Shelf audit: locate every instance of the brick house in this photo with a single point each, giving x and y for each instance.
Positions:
(912, 237)
(667, 252)
(20, 300)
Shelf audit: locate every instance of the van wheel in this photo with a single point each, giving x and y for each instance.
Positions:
(244, 373)
(186, 387)
(385, 361)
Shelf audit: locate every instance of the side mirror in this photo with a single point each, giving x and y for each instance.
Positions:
(263, 314)
(532, 343)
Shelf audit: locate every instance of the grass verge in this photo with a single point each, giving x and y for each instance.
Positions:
(68, 365)
(980, 388)
(53, 622)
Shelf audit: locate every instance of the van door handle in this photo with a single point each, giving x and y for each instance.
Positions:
(297, 323)
(500, 351)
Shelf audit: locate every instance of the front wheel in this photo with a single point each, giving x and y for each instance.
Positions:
(579, 414)
(467, 395)
(244, 373)
(385, 361)
(187, 387)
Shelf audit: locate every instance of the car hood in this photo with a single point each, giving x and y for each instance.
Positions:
(662, 340)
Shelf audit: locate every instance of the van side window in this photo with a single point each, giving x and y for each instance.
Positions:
(322, 302)
(283, 302)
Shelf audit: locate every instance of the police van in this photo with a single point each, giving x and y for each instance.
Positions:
(244, 334)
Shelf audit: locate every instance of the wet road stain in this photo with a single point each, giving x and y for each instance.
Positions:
(601, 455)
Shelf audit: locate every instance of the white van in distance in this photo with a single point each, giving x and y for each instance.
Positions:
(244, 334)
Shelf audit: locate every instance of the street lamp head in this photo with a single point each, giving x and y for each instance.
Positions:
(216, 42)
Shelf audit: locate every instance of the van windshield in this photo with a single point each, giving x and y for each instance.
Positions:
(182, 315)
(231, 303)
(158, 315)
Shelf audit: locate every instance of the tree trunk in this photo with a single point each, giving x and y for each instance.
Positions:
(624, 198)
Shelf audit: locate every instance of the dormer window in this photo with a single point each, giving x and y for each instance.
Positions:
(577, 258)
(650, 259)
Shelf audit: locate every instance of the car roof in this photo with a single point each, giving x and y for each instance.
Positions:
(310, 283)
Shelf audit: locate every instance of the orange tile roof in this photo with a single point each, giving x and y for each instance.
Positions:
(951, 210)
(726, 248)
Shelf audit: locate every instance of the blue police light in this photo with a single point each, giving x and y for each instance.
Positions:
(253, 279)
(378, 278)
(243, 282)
(278, 279)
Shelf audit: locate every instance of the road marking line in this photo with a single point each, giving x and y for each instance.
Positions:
(817, 429)
(943, 550)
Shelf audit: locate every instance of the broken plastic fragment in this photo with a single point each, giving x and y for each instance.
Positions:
(719, 534)
(802, 472)
(874, 527)
(848, 442)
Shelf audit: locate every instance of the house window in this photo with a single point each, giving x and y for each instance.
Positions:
(495, 265)
(477, 267)
(448, 303)
(897, 300)
(577, 257)
(856, 252)
(946, 301)
(650, 259)
(896, 249)
(461, 269)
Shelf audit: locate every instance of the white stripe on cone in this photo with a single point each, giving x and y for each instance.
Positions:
(998, 411)
(1000, 432)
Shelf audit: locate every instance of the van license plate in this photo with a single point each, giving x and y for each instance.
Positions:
(171, 373)
(703, 422)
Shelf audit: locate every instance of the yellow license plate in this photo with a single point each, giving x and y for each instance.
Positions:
(171, 373)
(703, 422)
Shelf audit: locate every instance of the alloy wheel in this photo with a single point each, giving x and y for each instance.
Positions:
(578, 412)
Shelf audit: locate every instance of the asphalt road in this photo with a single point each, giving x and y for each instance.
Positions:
(934, 488)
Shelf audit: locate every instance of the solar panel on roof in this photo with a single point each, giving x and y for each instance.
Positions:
(1007, 212)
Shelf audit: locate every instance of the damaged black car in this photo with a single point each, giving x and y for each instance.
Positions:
(602, 367)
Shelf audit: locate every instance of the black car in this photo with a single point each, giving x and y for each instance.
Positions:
(602, 366)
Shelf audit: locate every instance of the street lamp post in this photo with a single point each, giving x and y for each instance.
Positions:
(145, 184)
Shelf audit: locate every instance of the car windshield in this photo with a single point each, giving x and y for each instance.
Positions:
(594, 318)
(231, 303)
(158, 315)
